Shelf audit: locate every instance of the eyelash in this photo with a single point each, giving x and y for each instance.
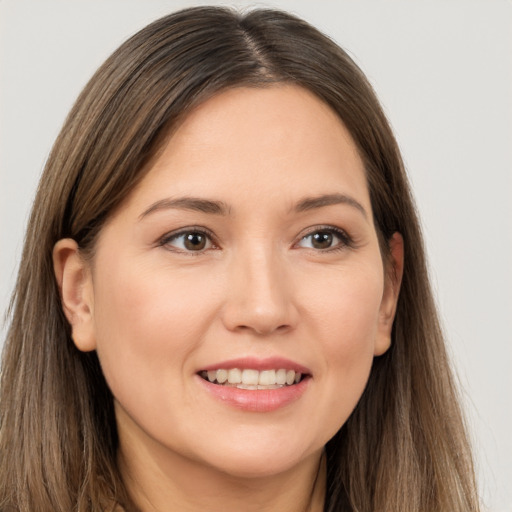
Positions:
(345, 241)
(168, 238)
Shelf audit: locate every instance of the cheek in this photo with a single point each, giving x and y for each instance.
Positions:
(354, 329)
(146, 324)
(346, 309)
(345, 322)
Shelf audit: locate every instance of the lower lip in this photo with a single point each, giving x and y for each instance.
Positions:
(260, 400)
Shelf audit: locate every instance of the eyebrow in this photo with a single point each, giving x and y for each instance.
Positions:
(310, 203)
(195, 204)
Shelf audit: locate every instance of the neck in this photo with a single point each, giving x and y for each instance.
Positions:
(158, 484)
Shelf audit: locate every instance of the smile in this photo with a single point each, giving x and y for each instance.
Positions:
(252, 379)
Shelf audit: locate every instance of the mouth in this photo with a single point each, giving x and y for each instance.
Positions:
(254, 384)
(251, 379)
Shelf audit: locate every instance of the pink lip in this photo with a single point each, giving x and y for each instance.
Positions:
(263, 400)
(253, 363)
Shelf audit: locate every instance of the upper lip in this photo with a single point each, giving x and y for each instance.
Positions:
(254, 363)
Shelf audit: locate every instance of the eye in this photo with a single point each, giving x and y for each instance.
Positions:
(189, 241)
(325, 239)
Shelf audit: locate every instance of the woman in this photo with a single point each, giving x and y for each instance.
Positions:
(223, 301)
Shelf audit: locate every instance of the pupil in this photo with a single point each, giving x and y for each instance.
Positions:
(195, 241)
(322, 240)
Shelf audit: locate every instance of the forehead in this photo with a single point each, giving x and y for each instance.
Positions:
(245, 142)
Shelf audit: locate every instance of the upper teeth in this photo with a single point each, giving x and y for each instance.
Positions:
(253, 378)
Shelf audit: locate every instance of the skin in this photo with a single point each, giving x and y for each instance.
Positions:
(157, 312)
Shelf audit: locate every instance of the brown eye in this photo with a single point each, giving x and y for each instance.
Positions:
(324, 239)
(194, 241)
(189, 241)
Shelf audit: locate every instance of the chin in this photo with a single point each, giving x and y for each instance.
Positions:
(260, 460)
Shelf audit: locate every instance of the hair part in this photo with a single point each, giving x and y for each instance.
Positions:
(404, 447)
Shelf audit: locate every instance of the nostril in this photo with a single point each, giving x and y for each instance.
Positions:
(264, 330)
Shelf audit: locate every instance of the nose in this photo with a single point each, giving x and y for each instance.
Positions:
(260, 295)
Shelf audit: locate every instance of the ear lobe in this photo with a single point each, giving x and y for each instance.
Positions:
(394, 267)
(76, 291)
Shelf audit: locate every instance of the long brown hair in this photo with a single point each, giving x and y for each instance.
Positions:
(404, 447)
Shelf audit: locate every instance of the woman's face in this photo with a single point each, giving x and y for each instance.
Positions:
(247, 253)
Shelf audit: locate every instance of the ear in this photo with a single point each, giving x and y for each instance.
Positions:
(394, 267)
(76, 291)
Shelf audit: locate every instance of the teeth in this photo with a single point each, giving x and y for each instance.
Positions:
(253, 379)
(250, 377)
(281, 376)
(267, 378)
(244, 386)
(222, 376)
(234, 376)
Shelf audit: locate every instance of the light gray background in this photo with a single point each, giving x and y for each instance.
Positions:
(443, 70)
